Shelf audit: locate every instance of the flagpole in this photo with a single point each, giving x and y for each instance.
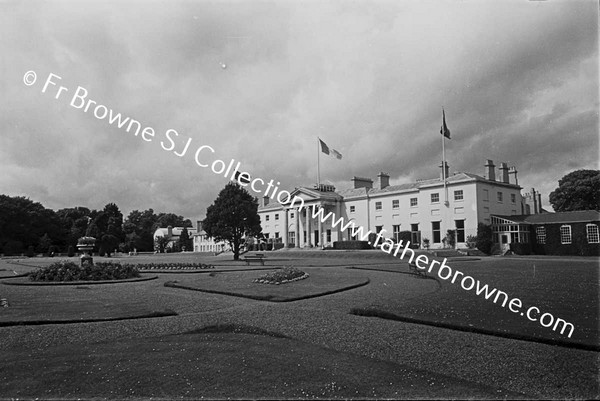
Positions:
(444, 166)
(318, 164)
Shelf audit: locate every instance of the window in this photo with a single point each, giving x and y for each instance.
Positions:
(486, 195)
(415, 234)
(460, 230)
(592, 234)
(378, 229)
(500, 197)
(458, 195)
(267, 218)
(513, 198)
(435, 198)
(276, 216)
(292, 237)
(540, 235)
(396, 231)
(413, 202)
(267, 236)
(377, 205)
(565, 234)
(276, 235)
(328, 235)
(291, 215)
(486, 209)
(435, 228)
(352, 209)
(395, 204)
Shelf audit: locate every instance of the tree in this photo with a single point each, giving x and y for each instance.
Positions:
(233, 215)
(160, 244)
(578, 190)
(484, 238)
(23, 222)
(45, 243)
(185, 242)
(139, 229)
(170, 219)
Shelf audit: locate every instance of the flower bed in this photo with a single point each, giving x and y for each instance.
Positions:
(172, 266)
(66, 270)
(282, 276)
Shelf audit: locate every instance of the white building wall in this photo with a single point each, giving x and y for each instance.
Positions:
(472, 209)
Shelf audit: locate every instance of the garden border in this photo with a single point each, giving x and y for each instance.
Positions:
(80, 282)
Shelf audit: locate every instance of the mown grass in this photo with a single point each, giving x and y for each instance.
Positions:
(241, 284)
(43, 304)
(566, 289)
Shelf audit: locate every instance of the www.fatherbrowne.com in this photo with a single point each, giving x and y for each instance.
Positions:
(445, 272)
(81, 101)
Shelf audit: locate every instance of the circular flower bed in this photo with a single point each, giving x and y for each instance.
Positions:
(282, 276)
(172, 266)
(66, 270)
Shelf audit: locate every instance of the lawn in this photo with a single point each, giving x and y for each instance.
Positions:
(222, 364)
(567, 289)
(322, 281)
(42, 304)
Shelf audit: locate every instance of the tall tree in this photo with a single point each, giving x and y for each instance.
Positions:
(139, 229)
(164, 220)
(23, 223)
(107, 228)
(578, 190)
(185, 241)
(233, 215)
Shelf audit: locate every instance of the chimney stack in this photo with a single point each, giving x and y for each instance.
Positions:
(265, 200)
(534, 198)
(199, 226)
(384, 180)
(504, 172)
(362, 182)
(446, 171)
(169, 231)
(513, 170)
(490, 170)
(539, 202)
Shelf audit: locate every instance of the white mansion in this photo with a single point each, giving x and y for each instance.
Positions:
(426, 208)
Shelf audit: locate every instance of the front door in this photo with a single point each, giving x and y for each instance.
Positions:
(317, 242)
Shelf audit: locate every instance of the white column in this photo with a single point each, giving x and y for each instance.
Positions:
(338, 215)
(285, 229)
(307, 228)
(297, 218)
(321, 230)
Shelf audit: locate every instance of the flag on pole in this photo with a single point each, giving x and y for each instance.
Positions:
(331, 152)
(444, 129)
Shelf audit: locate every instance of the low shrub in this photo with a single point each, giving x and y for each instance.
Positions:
(172, 266)
(282, 276)
(66, 270)
(520, 249)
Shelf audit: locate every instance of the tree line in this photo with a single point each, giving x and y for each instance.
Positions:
(28, 227)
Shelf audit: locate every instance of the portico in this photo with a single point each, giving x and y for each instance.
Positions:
(300, 228)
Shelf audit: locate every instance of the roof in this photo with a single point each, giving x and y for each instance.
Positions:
(580, 216)
(348, 194)
(175, 231)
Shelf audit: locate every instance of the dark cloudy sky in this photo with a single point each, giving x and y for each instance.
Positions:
(518, 81)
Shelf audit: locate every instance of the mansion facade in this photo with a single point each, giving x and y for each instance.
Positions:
(426, 208)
